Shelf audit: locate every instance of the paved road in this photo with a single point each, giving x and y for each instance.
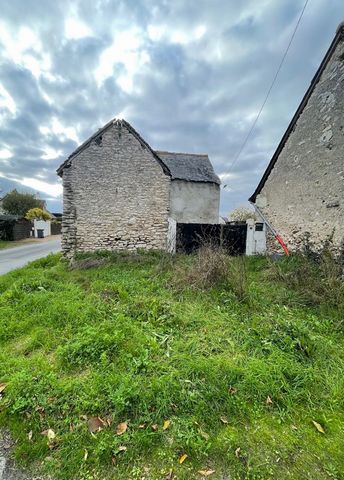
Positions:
(16, 257)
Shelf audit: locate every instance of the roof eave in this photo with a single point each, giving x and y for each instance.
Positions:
(216, 182)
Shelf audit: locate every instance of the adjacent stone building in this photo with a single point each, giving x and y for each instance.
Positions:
(120, 194)
(302, 190)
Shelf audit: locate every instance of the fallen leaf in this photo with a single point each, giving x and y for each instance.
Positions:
(183, 458)
(30, 435)
(269, 400)
(122, 448)
(155, 427)
(95, 424)
(206, 473)
(232, 390)
(2, 387)
(142, 425)
(294, 427)
(51, 437)
(113, 461)
(50, 434)
(85, 455)
(224, 420)
(205, 435)
(121, 428)
(108, 421)
(237, 452)
(318, 426)
(167, 423)
(52, 399)
(170, 475)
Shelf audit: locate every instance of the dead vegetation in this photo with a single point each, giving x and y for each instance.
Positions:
(212, 267)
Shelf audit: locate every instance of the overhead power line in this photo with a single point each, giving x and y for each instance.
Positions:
(236, 158)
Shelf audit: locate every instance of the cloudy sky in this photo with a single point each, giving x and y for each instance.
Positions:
(190, 76)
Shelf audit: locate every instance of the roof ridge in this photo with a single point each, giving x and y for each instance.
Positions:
(182, 153)
(100, 131)
(340, 27)
(85, 144)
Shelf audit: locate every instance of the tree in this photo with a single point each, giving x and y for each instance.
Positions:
(16, 203)
(37, 214)
(241, 214)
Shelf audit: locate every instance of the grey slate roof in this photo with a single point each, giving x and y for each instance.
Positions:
(191, 167)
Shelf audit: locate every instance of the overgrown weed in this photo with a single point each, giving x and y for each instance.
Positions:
(317, 278)
(211, 268)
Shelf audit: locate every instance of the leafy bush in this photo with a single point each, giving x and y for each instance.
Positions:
(241, 214)
(37, 214)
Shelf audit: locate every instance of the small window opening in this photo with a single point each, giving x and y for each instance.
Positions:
(99, 141)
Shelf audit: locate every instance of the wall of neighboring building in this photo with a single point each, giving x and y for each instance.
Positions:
(116, 196)
(44, 225)
(194, 202)
(305, 190)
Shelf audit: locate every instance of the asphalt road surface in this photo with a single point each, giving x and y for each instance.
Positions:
(16, 257)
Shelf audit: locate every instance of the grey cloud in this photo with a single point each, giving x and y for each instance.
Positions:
(187, 98)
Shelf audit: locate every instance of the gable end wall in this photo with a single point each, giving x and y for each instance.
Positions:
(304, 192)
(116, 197)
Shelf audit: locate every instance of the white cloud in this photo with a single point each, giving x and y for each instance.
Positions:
(6, 103)
(53, 189)
(58, 129)
(75, 29)
(50, 153)
(228, 177)
(5, 154)
(25, 48)
(127, 50)
(159, 32)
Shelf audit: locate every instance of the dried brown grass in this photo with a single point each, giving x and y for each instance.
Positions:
(212, 267)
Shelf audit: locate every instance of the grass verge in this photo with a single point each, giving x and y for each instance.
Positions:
(10, 244)
(120, 366)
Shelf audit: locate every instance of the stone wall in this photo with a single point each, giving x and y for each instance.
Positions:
(305, 190)
(195, 202)
(116, 196)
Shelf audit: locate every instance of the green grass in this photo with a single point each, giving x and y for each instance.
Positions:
(119, 342)
(10, 244)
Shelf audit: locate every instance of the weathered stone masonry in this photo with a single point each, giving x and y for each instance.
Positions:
(116, 195)
(302, 191)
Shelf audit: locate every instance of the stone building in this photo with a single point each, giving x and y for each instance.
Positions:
(302, 190)
(120, 194)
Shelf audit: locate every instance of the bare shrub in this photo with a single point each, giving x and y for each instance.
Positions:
(212, 267)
